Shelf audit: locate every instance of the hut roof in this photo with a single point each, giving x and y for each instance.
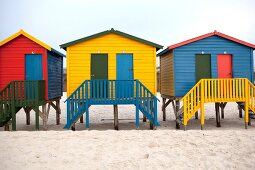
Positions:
(22, 32)
(206, 36)
(109, 32)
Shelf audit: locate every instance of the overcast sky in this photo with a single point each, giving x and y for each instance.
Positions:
(161, 21)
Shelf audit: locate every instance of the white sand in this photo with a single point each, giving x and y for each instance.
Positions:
(228, 147)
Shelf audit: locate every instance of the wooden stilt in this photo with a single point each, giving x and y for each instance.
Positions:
(116, 120)
(73, 127)
(6, 127)
(164, 109)
(27, 111)
(37, 117)
(58, 112)
(177, 107)
(144, 118)
(240, 112)
(222, 107)
(152, 126)
(44, 116)
(196, 115)
(217, 110)
(81, 119)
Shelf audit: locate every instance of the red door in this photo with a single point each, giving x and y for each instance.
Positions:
(224, 66)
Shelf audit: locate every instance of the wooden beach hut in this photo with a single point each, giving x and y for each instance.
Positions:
(220, 59)
(111, 68)
(30, 76)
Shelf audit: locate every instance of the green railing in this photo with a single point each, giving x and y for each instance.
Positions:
(19, 94)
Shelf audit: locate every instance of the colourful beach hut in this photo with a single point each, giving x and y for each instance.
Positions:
(30, 76)
(221, 59)
(111, 67)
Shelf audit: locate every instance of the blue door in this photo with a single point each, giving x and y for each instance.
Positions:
(125, 88)
(33, 67)
(33, 71)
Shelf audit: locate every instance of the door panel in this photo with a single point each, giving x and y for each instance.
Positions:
(224, 66)
(33, 67)
(99, 71)
(33, 71)
(203, 66)
(125, 89)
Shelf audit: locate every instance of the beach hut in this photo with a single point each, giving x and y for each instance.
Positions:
(111, 68)
(215, 56)
(30, 76)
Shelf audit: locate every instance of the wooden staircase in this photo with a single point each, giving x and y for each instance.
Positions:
(239, 90)
(18, 94)
(111, 92)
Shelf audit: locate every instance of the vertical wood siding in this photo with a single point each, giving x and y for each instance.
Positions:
(78, 60)
(167, 74)
(184, 61)
(12, 60)
(55, 72)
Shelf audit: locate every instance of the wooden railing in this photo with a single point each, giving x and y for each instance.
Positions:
(218, 90)
(110, 92)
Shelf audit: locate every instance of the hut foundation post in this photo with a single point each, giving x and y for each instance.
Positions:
(196, 115)
(164, 109)
(27, 111)
(217, 110)
(144, 118)
(58, 111)
(222, 107)
(44, 116)
(7, 127)
(177, 108)
(81, 119)
(240, 112)
(116, 120)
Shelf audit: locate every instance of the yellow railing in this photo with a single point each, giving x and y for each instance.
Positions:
(218, 90)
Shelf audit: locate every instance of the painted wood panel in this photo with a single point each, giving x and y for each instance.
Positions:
(167, 74)
(55, 72)
(12, 60)
(184, 61)
(78, 60)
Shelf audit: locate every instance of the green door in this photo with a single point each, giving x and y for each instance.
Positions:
(203, 66)
(99, 66)
(99, 71)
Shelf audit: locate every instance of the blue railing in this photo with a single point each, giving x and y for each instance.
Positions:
(111, 92)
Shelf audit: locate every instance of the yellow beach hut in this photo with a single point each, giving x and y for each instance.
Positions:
(111, 68)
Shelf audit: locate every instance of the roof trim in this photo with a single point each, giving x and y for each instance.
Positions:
(114, 32)
(22, 32)
(206, 36)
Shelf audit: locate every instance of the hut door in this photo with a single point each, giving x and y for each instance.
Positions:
(99, 71)
(125, 72)
(224, 66)
(33, 67)
(203, 66)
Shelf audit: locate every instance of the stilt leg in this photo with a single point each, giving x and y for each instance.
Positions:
(152, 126)
(177, 107)
(44, 116)
(81, 119)
(144, 118)
(177, 125)
(73, 127)
(222, 110)
(27, 111)
(196, 115)
(58, 112)
(217, 110)
(116, 120)
(37, 117)
(6, 127)
(164, 109)
(240, 112)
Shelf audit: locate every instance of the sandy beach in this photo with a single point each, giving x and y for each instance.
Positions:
(101, 147)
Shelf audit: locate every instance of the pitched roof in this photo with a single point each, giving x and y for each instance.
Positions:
(109, 32)
(22, 32)
(206, 36)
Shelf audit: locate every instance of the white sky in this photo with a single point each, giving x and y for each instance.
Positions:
(161, 21)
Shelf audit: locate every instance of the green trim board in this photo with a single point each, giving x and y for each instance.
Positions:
(157, 46)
